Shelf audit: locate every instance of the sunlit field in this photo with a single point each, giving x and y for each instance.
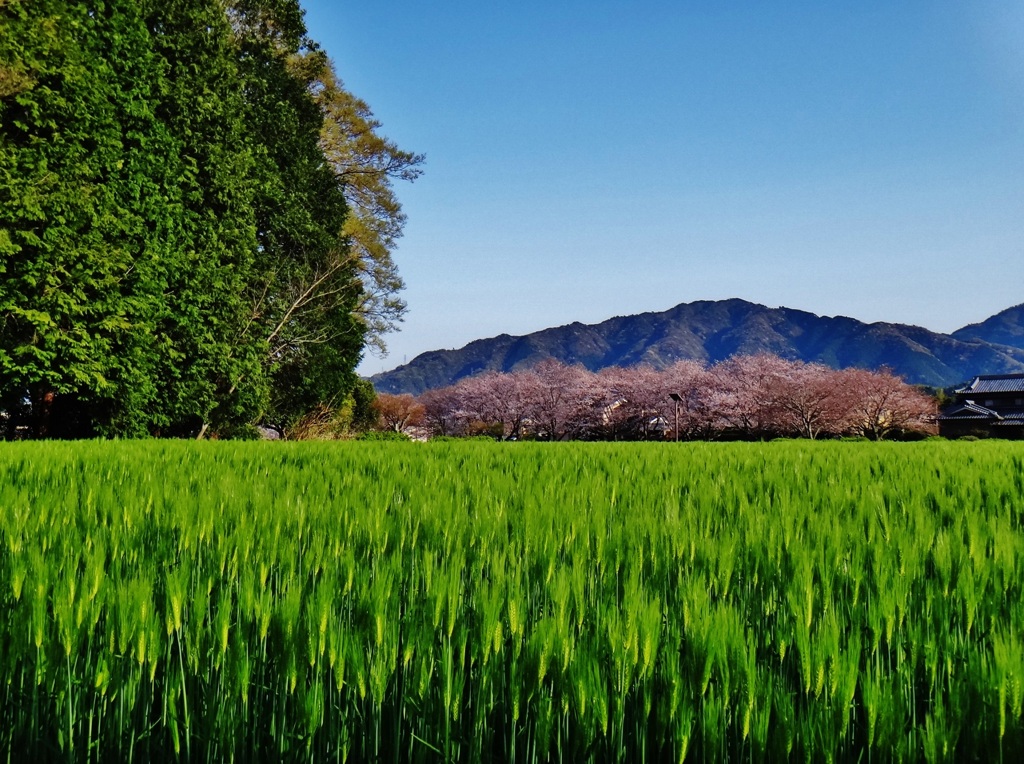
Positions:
(511, 602)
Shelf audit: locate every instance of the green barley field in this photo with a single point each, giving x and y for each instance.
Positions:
(511, 602)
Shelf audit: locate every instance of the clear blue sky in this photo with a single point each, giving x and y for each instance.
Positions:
(593, 159)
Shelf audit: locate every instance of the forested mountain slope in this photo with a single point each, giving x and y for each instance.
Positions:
(1005, 328)
(712, 331)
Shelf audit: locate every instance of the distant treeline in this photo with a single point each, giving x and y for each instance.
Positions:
(744, 398)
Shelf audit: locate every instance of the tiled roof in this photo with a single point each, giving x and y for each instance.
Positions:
(995, 383)
(969, 411)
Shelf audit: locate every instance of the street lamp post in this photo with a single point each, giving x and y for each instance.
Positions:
(676, 397)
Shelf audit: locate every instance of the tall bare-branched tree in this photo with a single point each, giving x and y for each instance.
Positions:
(367, 163)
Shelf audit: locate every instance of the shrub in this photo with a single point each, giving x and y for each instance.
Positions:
(384, 435)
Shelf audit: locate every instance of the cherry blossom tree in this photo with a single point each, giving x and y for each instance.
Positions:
(810, 399)
(562, 400)
(699, 398)
(747, 405)
(473, 406)
(496, 402)
(753, 396)
(442, 411)
(883, 404)
(636, 402)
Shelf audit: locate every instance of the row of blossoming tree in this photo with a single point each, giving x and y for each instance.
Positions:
(746, 397)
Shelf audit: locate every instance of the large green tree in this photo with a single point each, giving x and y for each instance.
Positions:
(305, 287)
(211, 369)
(195, 219)
(83, 160)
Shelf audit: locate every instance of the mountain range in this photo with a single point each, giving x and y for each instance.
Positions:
(712, 331)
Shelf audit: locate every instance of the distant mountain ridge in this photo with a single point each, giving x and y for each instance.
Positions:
(712, 331)
(1005, 328)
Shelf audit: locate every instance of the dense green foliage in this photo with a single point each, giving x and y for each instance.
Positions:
(528, 602)
(174, 258)
(78, 205)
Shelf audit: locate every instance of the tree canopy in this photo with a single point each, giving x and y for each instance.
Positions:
(749, 397)
(196, 219)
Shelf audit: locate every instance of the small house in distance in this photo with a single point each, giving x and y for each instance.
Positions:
(991, 406)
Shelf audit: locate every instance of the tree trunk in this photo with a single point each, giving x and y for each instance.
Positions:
(42, 398)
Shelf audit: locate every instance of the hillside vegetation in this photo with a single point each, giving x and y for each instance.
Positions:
(711, 332)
